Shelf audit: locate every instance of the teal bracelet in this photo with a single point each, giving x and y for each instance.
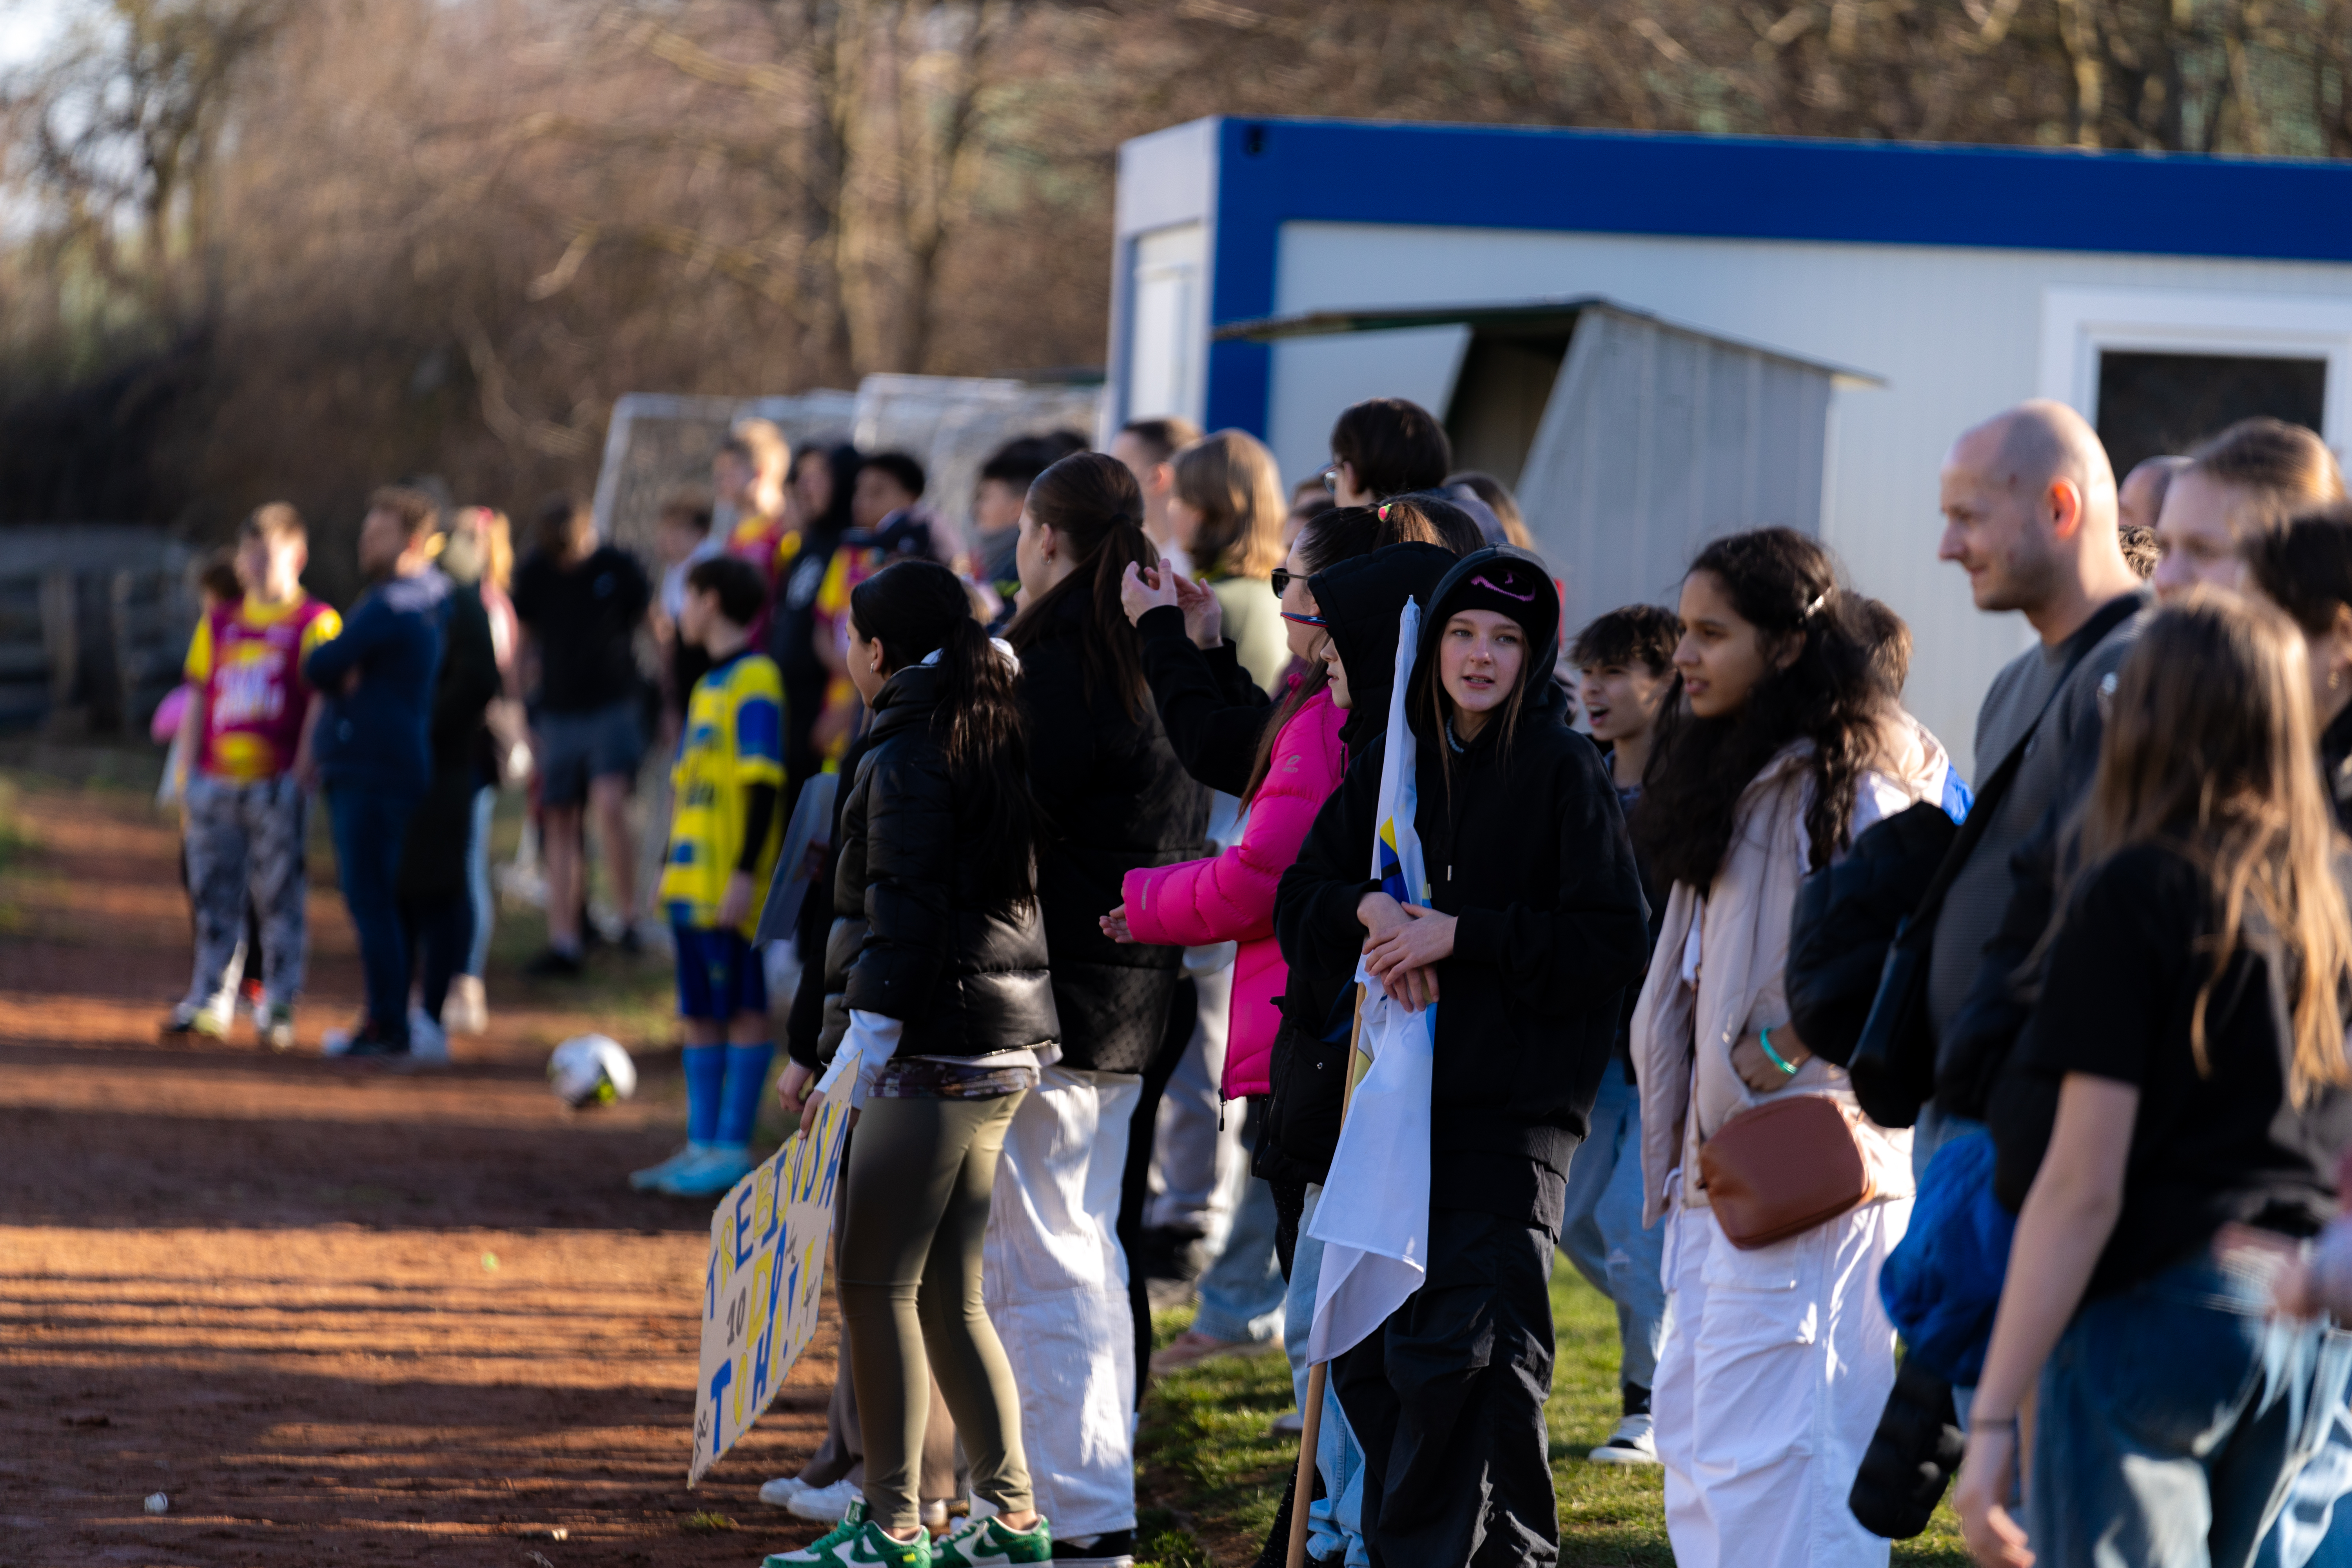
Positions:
(1764, 1038)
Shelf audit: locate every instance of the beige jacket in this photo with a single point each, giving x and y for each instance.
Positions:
(1743, 921)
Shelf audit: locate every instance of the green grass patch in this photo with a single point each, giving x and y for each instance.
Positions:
(1213, 1474)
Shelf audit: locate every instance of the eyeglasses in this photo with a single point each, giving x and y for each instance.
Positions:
(1282, 579)
(1331, 479)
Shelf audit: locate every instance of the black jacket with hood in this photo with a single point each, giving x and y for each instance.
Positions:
(1360, 599)
(1111, 797)
(916, 936)
(1524, 846)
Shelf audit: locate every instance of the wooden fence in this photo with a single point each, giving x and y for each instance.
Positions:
(94, 621)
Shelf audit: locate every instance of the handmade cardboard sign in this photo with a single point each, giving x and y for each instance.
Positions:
(762, 1285)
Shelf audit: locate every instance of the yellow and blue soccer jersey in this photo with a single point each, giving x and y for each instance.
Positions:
(734, 739)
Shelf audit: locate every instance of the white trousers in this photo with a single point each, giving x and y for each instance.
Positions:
(1054, 1282)
(1776, 1366)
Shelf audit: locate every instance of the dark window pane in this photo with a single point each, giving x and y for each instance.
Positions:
(2150, 404)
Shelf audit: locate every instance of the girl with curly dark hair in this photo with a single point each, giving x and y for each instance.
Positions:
(1781, 746)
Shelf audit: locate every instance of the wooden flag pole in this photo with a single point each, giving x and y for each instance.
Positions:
(1311, 1417)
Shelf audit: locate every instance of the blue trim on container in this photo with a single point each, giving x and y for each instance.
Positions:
(1272, 172)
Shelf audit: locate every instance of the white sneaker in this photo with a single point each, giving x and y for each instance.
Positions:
(1629, 1444)
(780, 1492)
(825, 1505)
(468, 1010)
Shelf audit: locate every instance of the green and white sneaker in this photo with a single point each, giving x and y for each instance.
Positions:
(856, 1539)
(987, 1543)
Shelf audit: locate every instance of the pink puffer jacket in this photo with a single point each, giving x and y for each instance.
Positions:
(1231, 898)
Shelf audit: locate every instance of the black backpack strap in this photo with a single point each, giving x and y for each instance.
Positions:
(2103, 621)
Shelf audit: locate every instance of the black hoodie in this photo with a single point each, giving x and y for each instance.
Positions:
(1526, 847)
(1360, 600)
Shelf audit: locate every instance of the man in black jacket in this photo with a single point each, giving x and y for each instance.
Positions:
(2029, 503)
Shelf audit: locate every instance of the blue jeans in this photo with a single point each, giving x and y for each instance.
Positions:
(1602, 1230)
(1242, 1293)
(2173, 1416)
(1335, 1525)
(370, 827)
(477, 881)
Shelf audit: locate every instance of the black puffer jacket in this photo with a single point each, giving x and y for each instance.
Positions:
(914, 937)
(1113, 798)
(1360, 600)
(1524, 846)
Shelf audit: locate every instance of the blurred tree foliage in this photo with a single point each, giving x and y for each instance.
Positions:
(254, 248)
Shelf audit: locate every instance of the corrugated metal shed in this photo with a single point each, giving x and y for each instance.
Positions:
(1629, 440)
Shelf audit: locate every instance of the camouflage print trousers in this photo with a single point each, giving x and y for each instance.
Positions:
(244, 841)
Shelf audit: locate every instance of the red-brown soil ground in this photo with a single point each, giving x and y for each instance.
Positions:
(336, 1313)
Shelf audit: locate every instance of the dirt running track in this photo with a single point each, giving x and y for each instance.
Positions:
(335, 1314)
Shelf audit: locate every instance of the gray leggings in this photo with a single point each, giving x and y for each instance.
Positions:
(920, 1172)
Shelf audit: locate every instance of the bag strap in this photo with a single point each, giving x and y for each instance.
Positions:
(2103, 621)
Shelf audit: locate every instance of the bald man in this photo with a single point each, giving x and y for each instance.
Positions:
(2029, 504)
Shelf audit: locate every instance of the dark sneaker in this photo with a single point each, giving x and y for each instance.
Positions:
(367, 1040)
(1171, 1252)
(554, 964)
(1115, 1549)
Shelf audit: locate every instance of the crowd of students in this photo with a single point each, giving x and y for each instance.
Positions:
(1914, 1129)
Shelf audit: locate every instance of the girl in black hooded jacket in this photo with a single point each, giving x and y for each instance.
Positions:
(937, 1007)
(1533, 927)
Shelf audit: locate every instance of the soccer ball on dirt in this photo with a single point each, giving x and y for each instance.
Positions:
(591, 1069)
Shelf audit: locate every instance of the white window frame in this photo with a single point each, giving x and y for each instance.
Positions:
(2079, 324)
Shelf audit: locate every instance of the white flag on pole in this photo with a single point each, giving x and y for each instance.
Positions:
(1373, 1217)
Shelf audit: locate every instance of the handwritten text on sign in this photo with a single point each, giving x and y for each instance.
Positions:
(762, 1285)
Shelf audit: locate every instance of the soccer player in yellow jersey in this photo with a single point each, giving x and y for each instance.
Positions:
(726, 829)
(248, 736)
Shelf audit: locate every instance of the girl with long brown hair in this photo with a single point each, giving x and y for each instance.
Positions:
(2170, 1121)
(1782, 746)
(1111, 797)
(937, 1014)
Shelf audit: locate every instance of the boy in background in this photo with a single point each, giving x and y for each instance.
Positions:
(747, 481)
(1625, 661)
(247, 734)
(724, 837)
(886, 521)
(682, 540)
(1148, 447)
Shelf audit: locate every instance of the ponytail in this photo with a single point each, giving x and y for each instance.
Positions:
(1094, 504)
(918, 610)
